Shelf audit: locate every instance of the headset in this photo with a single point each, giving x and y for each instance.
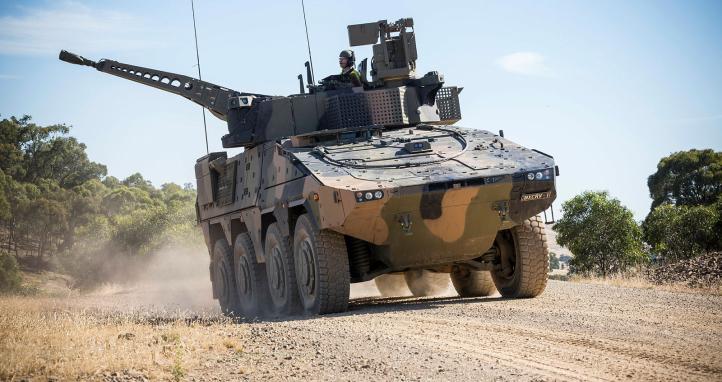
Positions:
(349, 54)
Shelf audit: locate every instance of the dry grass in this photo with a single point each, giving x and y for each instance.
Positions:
(65, 339)
(641, 282)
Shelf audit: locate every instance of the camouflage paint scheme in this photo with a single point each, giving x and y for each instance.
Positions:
(439, 193)
(431, 214)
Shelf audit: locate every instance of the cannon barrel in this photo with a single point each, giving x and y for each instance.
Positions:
(75, 59)
(213, 97)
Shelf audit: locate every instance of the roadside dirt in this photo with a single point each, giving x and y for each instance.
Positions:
(572, 332)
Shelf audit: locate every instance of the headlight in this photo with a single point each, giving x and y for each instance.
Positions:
(365, 196)
(545, 174)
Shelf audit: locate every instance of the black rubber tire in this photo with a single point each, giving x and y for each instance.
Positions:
(322, 269)
(472, 283)
(280, 273)
(251, 284)
(392, 285)
(223, 279)
(424, 283)
(529, 259)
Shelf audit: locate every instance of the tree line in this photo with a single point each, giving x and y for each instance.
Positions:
(59, 208)
(685, 219)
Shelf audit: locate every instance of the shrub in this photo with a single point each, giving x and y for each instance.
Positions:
(9, 273)
(601, 233)
(681, 232)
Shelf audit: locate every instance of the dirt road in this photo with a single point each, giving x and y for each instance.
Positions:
(572, 332)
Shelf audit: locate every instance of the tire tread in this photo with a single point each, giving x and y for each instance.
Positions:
(334, 275)
(534, 255)
(532, 260)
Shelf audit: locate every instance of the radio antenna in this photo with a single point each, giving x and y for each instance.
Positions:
(198, 62)
(308, 41)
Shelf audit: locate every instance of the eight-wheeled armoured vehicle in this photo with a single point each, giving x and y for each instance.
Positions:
(340, 184)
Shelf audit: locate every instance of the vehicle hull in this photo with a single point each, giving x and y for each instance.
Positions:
(427, 215)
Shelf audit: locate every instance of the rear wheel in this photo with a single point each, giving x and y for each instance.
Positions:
(280, 273)
(472, 283)
(224, 286)
(426, 283)
(524, 260)
(322, 269)
(391, 285)
(251, 285)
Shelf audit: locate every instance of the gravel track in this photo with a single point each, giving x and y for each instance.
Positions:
(571, 332)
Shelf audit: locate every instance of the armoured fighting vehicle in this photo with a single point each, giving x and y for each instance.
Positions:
(341, 184)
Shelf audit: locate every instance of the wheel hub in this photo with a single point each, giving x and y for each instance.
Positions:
(306, 269)
(277, 275)
(507, 257)
(244, 277)
(222, 280)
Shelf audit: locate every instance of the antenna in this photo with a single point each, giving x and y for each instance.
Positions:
(308, 42)
(309, 64)
(198, 62)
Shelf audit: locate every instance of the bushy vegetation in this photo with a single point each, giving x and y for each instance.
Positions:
(686, 216)
(9, 273)
(601, 233)
(685, 220)
(687, 178)
(682, 232)
(58, 208)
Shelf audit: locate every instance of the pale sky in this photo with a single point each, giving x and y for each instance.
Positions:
(608, 88)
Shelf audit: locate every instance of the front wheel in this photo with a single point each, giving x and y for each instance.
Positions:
(322, 269)
(524, 260)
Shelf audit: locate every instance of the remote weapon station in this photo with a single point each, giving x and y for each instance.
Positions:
(341, 184)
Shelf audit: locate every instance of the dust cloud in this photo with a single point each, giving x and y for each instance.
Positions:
(394, 285)
(170, 279)
(364, 289)
(178, 280)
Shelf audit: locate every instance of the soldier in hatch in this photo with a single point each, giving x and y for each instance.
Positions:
(348, 73)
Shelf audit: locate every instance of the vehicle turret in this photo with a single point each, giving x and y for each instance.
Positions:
(393, 98)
